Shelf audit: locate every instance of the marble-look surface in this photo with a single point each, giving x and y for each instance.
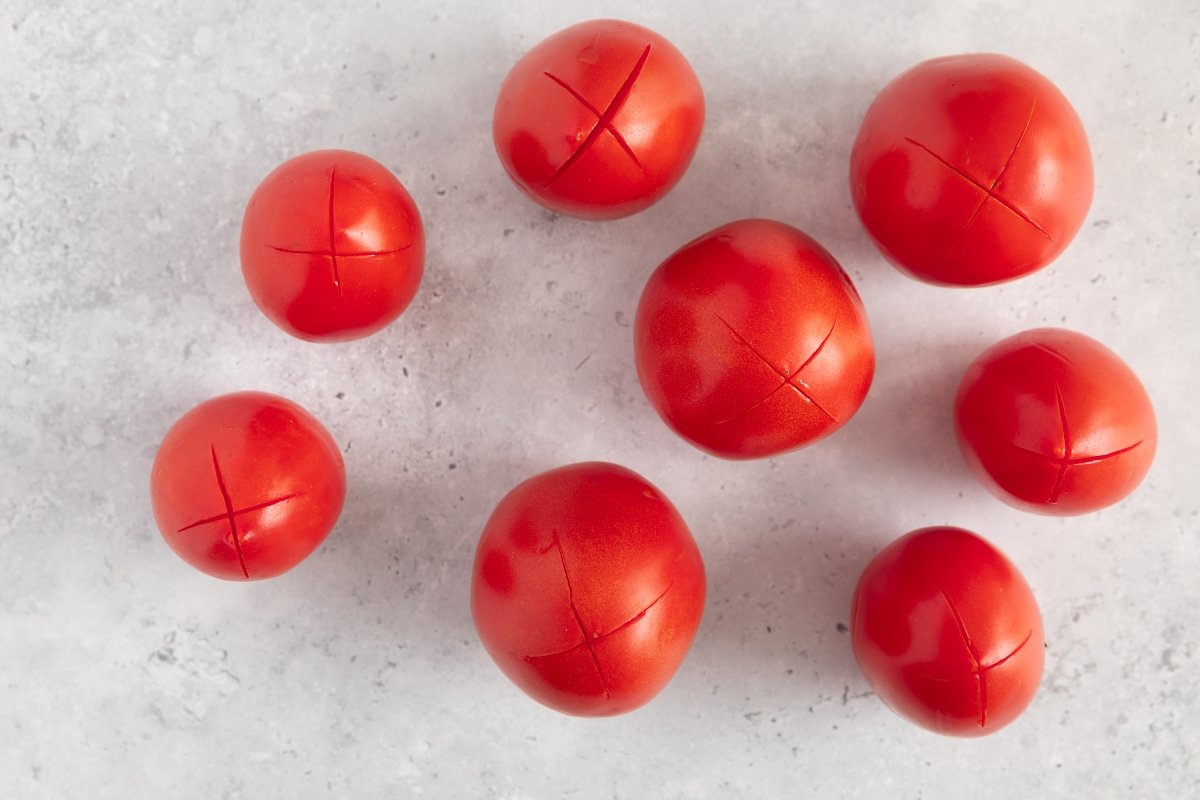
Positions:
(131, 135)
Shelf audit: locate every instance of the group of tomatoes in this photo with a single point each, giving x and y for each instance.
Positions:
(750, 341)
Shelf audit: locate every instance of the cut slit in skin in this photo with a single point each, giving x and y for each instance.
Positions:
(237, 539)
(979, 669)
(231, 514)
(789, 380)
(604, 121)
(989, 192)
(589, 641)
(1067, 460)
(1053, 352)
(332, 253)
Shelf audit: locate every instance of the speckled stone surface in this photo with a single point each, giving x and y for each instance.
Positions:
(131, 135)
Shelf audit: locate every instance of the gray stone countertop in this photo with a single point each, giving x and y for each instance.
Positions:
(131, 135)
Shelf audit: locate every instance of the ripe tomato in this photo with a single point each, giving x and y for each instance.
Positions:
(332, 246)
(1052, 421)
(587, 589)
(600, 120)
(751, 341)
(947, 632)
(246, 485)
(970, 170)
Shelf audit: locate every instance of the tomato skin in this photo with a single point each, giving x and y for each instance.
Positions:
(1052, 421)
(587, 547)
(727, 316)
(539, 124)
(948, 633)
(933, 143)
(332, 246)
(261, 456)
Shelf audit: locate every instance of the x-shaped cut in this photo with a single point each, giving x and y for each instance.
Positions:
(332, 253)
(978, 668)
(604, 119)
(589, 641)
(793, 379)
(989, 192)
(1067, 460)
(231, 514)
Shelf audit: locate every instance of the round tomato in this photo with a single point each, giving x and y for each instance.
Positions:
(246, 485)
(332, 246)
(970, 170)
(587, 589)
(600, 120)
(1052, 421)
(751, 341)
(947, 632)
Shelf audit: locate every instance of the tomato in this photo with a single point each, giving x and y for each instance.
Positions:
(1052, 421)
(751, 341)
(246, 485)
(947, 632)
(600, 120)
(970, 170)
(332, 246)
(587, 589)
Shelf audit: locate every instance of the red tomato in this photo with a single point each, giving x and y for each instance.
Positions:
(947, 632)
(600, 120)
(751, 340)
(970, 170)
(246, 485)
(332, 246)
(587, 589)
(1052, 421)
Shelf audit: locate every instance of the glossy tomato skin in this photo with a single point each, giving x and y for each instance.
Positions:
(246, 485)
(332, 247)
(971, 170)
(587, 589)
(948, 633)
(600, 120)
(751, 341)
(1054, 422)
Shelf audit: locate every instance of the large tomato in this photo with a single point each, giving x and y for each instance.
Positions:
(947, 632)
(1052, 421)
(587, 589)
(332, 246)
(970, 170)
(246, 485)
(751, 341)
(600, 120)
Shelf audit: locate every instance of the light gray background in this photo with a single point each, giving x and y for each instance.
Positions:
(131, 136)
